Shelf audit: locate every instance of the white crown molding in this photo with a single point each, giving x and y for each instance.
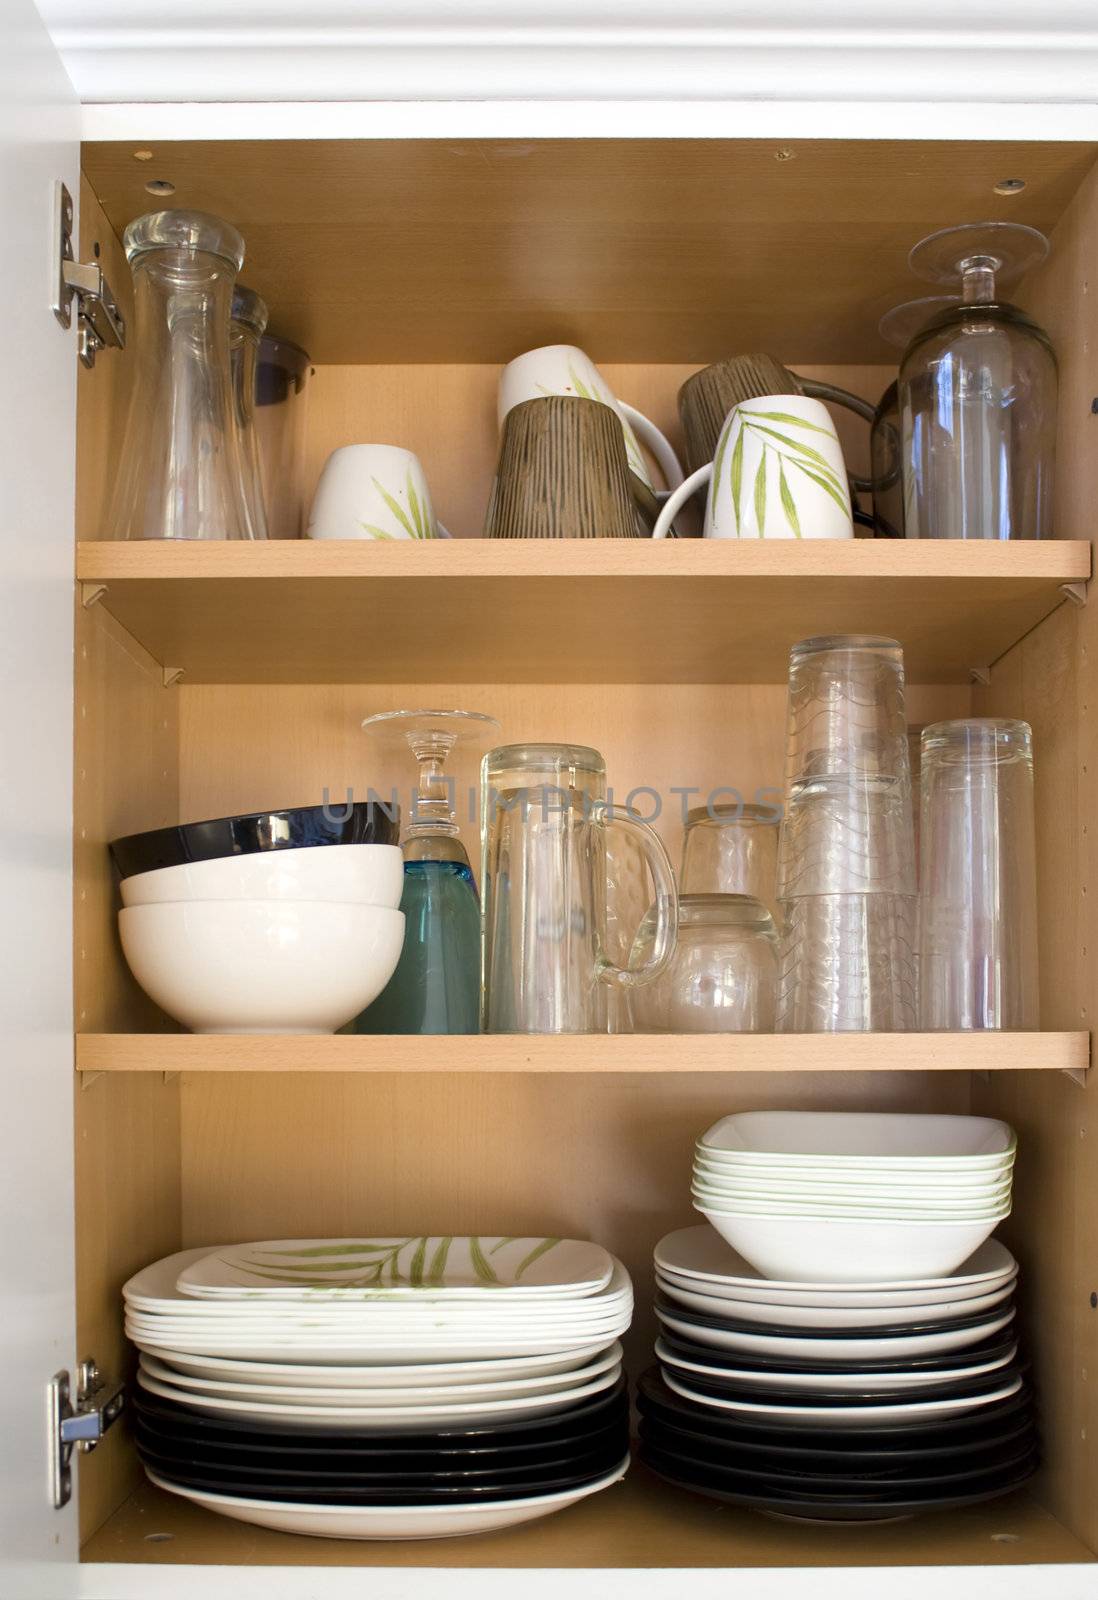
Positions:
(790, 51)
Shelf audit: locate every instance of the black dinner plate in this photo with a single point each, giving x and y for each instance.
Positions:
(311, 1488)
(855, 1336)
(720, 1361)
(384, 1470)
(855, 1508)
(172, 1418)
(826, 1400)
(855, 1457)
(302, 827)
(654, 1396)
(780, 1473)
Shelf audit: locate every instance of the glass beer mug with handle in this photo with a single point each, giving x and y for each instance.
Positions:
(544, 817)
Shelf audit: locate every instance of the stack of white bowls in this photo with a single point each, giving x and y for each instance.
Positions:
(395, 1388)
(840, 1197)
(239, 928)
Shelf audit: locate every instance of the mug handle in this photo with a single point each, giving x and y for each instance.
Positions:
(657, 444)
(667, 900)
(678, 498)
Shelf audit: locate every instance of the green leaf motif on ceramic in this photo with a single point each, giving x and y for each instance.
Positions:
(437, 1270)
(788, 503)
(760, 494)
(534, 1255)
(737, 476)
(414, 530)
(790, 452)
(375, 532)
(376, 1264)
(481, 1265)
(419, 510)
(786, 416)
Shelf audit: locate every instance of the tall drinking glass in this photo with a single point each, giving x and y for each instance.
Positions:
(978, 909)
(846, 857)
(544, 818)
(245, 332)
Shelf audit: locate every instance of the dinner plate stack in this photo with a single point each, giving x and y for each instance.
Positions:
(383, 1388)
(877, 1374)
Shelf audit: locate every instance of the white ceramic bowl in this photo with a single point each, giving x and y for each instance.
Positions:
(361, 874)
(862, 1138)
(783, 1315)
(261, 966)
(917, 1179)
(896, 1194)
(917, 1211)
(850, 1250)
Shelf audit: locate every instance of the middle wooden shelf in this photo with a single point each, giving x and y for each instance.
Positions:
(570, 611)
(624, 1053)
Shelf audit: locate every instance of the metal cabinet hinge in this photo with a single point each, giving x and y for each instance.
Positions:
(99, 1405)
(99, 321)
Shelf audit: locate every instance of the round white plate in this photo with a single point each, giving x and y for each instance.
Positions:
(862, 1138)
(700, 1253)
(861, 1348)
(362, 1419)
(850, 1416)
(390, 1522)
(812, 1316)
(415, 1394)
(325, 1375)
(865, 1381)
(461, 1265)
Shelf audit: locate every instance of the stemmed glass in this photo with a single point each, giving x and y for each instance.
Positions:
(977, 394)
(436, 986)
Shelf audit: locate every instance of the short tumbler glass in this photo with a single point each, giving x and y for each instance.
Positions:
(723, 975)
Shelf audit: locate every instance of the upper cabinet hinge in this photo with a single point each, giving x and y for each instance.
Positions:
(99, 1404)
(99, 321)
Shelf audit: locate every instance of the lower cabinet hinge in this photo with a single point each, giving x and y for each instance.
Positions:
(99, 1404)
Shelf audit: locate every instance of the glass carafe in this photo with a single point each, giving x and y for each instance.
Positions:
(977, 396)
(249, 319)
(179, 476)
(544, 817)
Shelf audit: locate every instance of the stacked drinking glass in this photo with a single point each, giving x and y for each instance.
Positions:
(846, 861)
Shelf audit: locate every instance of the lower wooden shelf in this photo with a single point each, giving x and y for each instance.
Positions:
(638, 1523)
(744, 1052)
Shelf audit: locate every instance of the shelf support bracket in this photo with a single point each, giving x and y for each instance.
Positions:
(172, 675)
(91, 594)
(1075, 592)
(980, 675)
(1077, 1075)
(88, 1078)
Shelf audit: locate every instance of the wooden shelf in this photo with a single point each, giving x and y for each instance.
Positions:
(638, 1523)
(745, 1052)
(606, 611)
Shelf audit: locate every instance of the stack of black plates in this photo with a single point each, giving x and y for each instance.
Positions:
(385, 1484)
(843, 1455)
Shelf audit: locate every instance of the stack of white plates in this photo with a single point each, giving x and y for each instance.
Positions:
(851, 1196)
(375, 1373)
(860, 1400)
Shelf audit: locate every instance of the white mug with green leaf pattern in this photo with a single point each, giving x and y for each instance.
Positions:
(373, 491)
(778, 473)
(562, 369)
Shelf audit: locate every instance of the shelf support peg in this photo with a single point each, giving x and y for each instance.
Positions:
(91, 594)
